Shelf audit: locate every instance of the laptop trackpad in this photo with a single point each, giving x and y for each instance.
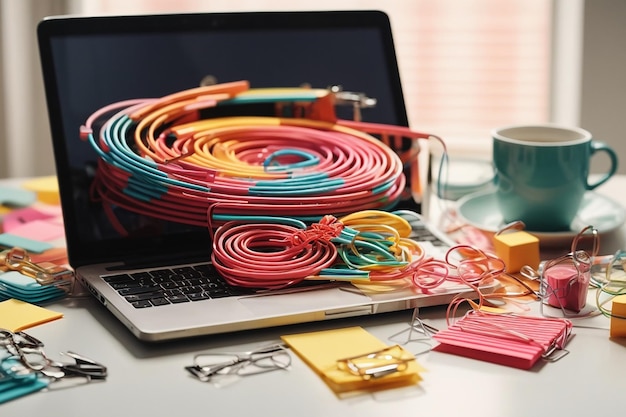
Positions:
(307, 300)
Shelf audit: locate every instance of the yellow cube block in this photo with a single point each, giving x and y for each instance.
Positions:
(618, 325)
(517, 249)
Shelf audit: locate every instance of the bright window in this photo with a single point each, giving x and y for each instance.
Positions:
(466, 66)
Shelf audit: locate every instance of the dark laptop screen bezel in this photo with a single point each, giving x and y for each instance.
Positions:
(83, 251)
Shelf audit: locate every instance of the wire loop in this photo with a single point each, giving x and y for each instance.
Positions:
(261, 255)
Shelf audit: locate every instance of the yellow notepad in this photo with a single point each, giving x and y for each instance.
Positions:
(47, 189)
(321, 351)
(16, 315)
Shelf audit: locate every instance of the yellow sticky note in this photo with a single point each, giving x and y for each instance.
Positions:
(16, 315)
(46, 188)
(321, 351)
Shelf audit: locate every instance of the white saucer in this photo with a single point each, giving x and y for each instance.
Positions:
(481, 211)
(462, 177)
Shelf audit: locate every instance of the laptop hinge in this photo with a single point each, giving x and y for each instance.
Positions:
(350, 312)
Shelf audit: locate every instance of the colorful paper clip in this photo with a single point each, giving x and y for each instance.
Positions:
(45, 273)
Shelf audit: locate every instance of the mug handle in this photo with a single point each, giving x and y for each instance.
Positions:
(597, 146)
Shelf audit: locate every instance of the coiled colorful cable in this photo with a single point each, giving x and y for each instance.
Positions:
(161, 158)
(275, 253)
(367, 248)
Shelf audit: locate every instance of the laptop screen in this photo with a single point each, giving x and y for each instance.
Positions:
(90, 62)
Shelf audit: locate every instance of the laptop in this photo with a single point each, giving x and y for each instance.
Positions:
(90, 62)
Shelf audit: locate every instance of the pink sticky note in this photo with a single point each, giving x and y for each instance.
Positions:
(19, 217)
(41, 230)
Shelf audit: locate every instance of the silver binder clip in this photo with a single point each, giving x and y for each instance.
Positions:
(45, 273)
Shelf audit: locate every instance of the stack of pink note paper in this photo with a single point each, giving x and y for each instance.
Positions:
(506, 339)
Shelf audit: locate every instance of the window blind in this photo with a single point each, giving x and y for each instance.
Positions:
(467, 66)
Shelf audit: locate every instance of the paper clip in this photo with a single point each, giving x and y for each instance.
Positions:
(264, 359)
(30, 353)
(611, 293)
(45, 273)
(376, 364)
(564, 280)
(417, 326)
(82, 367)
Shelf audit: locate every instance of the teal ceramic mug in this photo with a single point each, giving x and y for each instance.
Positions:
(542, 173)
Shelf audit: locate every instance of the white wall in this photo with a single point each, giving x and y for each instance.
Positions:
(23, 111)
(603, 93)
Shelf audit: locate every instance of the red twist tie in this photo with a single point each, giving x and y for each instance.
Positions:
(326, 229)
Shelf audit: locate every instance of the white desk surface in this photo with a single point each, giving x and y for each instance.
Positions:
(149, 380)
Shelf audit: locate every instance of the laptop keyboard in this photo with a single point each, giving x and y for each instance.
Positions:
(165, 286)
(422, 232)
